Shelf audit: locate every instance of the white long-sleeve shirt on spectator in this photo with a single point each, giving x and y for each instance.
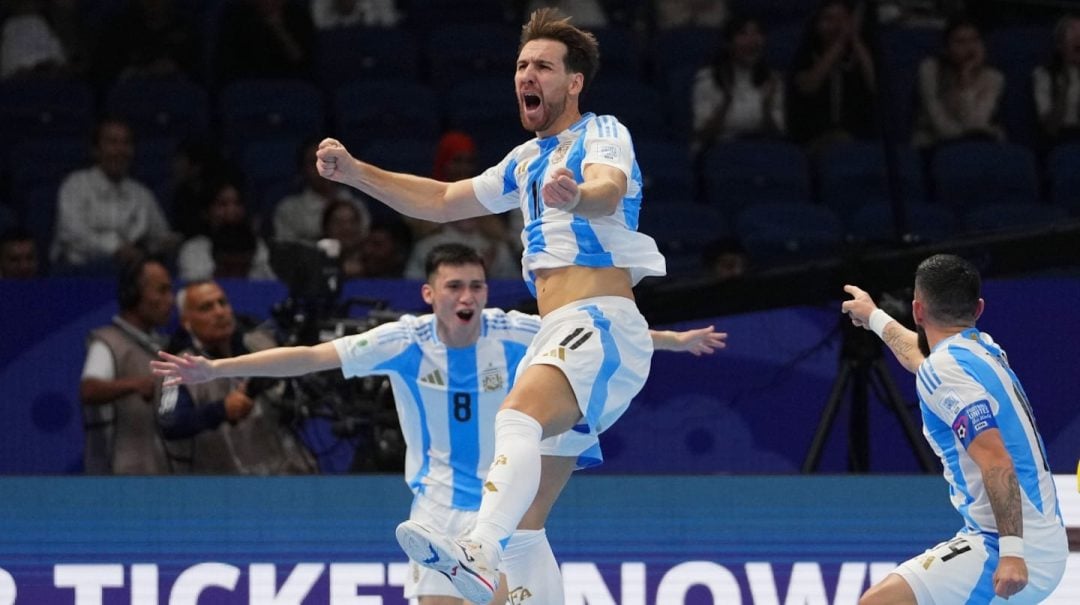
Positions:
(97, 216)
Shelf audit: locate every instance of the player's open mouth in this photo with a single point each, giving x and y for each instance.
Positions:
(531, 101)
(465, 314)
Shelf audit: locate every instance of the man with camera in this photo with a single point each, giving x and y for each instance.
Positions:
(450, 371)
(225, 426)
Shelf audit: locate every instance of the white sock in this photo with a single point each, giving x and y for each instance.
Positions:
(511, 482)
(532, 574)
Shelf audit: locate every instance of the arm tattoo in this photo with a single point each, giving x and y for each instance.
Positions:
(1004, 492)
(900, 343)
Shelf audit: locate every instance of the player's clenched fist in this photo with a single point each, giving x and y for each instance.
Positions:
(333, 160)
(561, 191)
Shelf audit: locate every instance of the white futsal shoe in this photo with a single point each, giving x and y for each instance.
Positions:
(463, 561)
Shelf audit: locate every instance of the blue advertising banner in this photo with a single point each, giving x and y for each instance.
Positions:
(628, 540)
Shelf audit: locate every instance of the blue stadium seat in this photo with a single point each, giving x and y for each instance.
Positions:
(483, 106)
(152, 166)
(902, 49)
(637, 105)
(44, 161)
(1063, 173)
(271, 170)
(666, 170)
(1016, 51)
(682, 231)
(873, 222)
(41, 107)
(973, 174)
(853, 174)
(457, 52)
(783, 232)
(744, 173)
(414, 156)
(1010, 217)
(352, 54)
(270, 109)
(384, 108)
(160, 107)
(677, 54)
(618, 52)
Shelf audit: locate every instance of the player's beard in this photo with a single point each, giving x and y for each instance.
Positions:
(924, 344)
(551, 113)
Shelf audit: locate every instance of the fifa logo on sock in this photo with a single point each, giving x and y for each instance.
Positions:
(519, 595)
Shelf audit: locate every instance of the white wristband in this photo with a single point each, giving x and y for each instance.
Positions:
(1011, 546)
(877, 322)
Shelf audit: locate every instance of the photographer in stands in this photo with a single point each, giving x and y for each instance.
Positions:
(226, 426)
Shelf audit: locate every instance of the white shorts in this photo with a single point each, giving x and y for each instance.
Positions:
(961, 570)
(422, 581)
(603, 347)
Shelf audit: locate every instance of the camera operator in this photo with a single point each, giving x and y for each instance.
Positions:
(225, 426)
(450, 371)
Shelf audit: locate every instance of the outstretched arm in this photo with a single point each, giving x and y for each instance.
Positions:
(1003, 489)
(701, 341)
(277, 362)
(408, 194)
(903, 342)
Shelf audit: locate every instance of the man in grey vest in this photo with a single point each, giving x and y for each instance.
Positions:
(226, 426)
(117, 389)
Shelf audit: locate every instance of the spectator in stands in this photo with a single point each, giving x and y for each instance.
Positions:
(1057, 85)
(104, 216)
(455, 159)
(18, 255)
(265, 39)
(148, 38)
(226, 426)
(231, 240)
(833, 88)
(959, 94)
(117, 390)
(386, 247)
(330, 14)
(197, 165)
(28, 44)
(298, 217)
(739, 94)
(690, 13)
(342, 222)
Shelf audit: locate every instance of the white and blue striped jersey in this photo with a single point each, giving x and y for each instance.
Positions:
(446, 397)
(556, 238)
(966, 387)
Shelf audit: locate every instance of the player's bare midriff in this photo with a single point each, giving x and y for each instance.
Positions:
(564, 285)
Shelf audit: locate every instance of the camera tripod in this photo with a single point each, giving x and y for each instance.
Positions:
(862, 368)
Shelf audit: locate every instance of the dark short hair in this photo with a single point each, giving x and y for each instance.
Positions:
(582, 49)
(453, 254)
(950, 287)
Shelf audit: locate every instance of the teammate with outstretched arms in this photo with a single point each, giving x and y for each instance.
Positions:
(578, 187)
(449, 371)
(978, 420)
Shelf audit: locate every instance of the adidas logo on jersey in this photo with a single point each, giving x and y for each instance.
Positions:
(433, 378)
(559, 352)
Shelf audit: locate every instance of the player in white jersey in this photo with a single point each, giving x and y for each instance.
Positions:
(449, 371)
(978, 420)
(578, 188)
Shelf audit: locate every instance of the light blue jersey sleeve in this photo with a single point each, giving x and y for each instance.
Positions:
(367, 353)
(497, 187)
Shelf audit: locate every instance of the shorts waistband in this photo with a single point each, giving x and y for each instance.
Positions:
(604, 302)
